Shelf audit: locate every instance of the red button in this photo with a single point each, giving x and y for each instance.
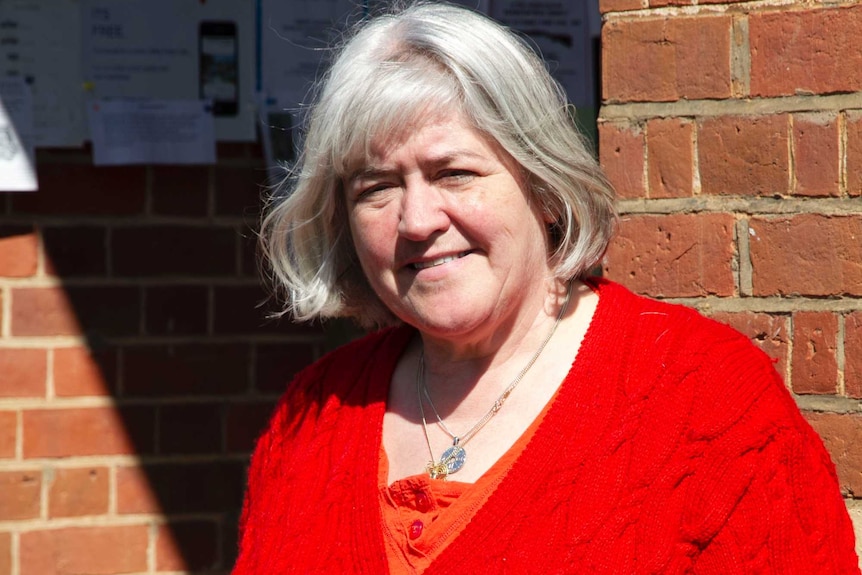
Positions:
(416, 529)
(423, 502)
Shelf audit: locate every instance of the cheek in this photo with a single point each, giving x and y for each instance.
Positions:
(372, 243)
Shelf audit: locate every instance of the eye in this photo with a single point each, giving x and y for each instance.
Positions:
(365, 190)
(456, 175)
(374, 188)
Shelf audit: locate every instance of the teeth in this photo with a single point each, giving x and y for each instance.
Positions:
(438, 262)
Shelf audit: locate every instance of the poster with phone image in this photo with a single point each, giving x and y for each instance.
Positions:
(175, 50)
(219, 66)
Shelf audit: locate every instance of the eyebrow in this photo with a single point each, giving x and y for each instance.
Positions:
(371, 171)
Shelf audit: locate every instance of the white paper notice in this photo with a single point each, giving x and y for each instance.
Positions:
(277, 128)
(560, 29)
(152, 132)
(175, 49)
(295, 37)
(17, 166)
(40, 41)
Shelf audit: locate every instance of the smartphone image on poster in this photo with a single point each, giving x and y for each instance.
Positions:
(219, 66)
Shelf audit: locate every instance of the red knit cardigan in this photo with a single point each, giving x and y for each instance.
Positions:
(672, 447)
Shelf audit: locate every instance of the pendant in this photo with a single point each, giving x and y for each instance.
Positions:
(437, 470)
(453, 458)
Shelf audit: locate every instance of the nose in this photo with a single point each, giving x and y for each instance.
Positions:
(423, 211)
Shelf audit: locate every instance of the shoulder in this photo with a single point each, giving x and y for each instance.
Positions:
(352, 374)
(674, 348)
(659, 328)
(353, 358)
(349, 369)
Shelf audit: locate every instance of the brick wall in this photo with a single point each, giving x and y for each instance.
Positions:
(733, 133)
(135, 371)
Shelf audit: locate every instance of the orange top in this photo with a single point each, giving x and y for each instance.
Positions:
(422, 515)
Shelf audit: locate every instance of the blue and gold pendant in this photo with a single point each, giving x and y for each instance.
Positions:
(453, 458)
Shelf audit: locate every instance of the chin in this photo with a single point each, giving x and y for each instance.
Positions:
(444, 323)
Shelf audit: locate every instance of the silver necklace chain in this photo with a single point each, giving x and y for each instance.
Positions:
(453, 458)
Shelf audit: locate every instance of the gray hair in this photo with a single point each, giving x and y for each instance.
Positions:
(396, 67)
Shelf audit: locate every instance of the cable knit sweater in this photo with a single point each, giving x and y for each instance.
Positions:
(672, 447)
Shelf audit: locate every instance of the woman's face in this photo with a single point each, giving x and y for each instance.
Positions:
(444, 230)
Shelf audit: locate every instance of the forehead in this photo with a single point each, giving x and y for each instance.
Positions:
(438, 135)
(426, 124)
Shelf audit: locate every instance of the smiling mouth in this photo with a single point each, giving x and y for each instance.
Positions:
(437, 262)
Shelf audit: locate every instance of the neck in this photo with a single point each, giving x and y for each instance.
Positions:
(453, 367)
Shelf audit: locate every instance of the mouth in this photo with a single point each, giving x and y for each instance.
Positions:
(437, 262)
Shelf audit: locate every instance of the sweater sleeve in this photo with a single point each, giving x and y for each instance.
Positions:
(790, 519)
(775, 500)
(307, 455)
(256, 491)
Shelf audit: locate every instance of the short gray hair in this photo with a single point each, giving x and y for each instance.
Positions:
(428, 56)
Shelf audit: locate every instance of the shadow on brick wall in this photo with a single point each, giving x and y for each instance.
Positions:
(138, 285)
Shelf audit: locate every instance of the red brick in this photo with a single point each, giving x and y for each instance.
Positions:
(134, 494)
(76, 251)
(238, 191)
(230, 542)
(854, 154)
(842, 435)
(19, 251)
(42, 311)
(744, 155)
(91, 550)
(5, 554)
(250, 265)
(175, 488)
(621, 152)
(276, 364)
(71, 311)
(684, 255)
(768, 332)
(244, 424)
(666, 59)
(194, 369)
(238, 309)
(187, 545)
(853, 354)
(177, 310)
(807, 254)
(180, 190)
(174, 251)
(107, 310)
(814, 361)
(77, 492)
(24, 372)
(20, 494)
(8, 433)
(815, 150)
(670, 157)
(88, 431)
(620, 5)
(815, 51)
(81, 371)
(187, 429)
(81, 189)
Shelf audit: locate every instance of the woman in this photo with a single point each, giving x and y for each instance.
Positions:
(511, 416)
